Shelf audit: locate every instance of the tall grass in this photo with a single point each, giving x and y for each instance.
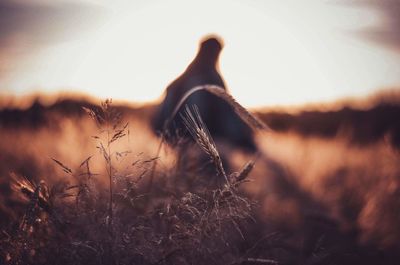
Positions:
(308, 201)
(110, 123)
(64, 223)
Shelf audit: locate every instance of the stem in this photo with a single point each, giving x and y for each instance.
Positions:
(153, 168)
(110, 210)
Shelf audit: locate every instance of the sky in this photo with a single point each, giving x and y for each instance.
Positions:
(276, 52)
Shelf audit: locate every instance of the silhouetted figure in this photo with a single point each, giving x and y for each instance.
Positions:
(222, 122)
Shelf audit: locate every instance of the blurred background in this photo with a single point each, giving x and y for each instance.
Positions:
(324, 75)
(284, 52)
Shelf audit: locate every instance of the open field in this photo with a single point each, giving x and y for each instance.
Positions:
(324, 189)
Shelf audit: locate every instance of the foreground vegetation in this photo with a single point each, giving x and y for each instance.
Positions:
(311, 201)
(133, 220)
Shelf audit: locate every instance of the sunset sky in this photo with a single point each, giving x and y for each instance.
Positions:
(276, 52)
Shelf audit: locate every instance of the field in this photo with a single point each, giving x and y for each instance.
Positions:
(85, 183)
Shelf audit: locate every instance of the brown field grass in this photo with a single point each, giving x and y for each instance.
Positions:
(75, 190)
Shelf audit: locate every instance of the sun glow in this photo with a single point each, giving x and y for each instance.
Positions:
(140, 61)
(275, 53)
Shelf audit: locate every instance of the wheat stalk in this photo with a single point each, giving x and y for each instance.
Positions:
(247, 117)
(197, 128)
(218, 91)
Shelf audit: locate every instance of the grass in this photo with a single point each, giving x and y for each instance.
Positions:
(85, 222)
(116, 205)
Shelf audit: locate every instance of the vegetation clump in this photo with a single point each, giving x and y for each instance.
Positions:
(83, 221)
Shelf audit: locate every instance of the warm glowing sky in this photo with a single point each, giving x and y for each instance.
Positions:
(276, 52)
